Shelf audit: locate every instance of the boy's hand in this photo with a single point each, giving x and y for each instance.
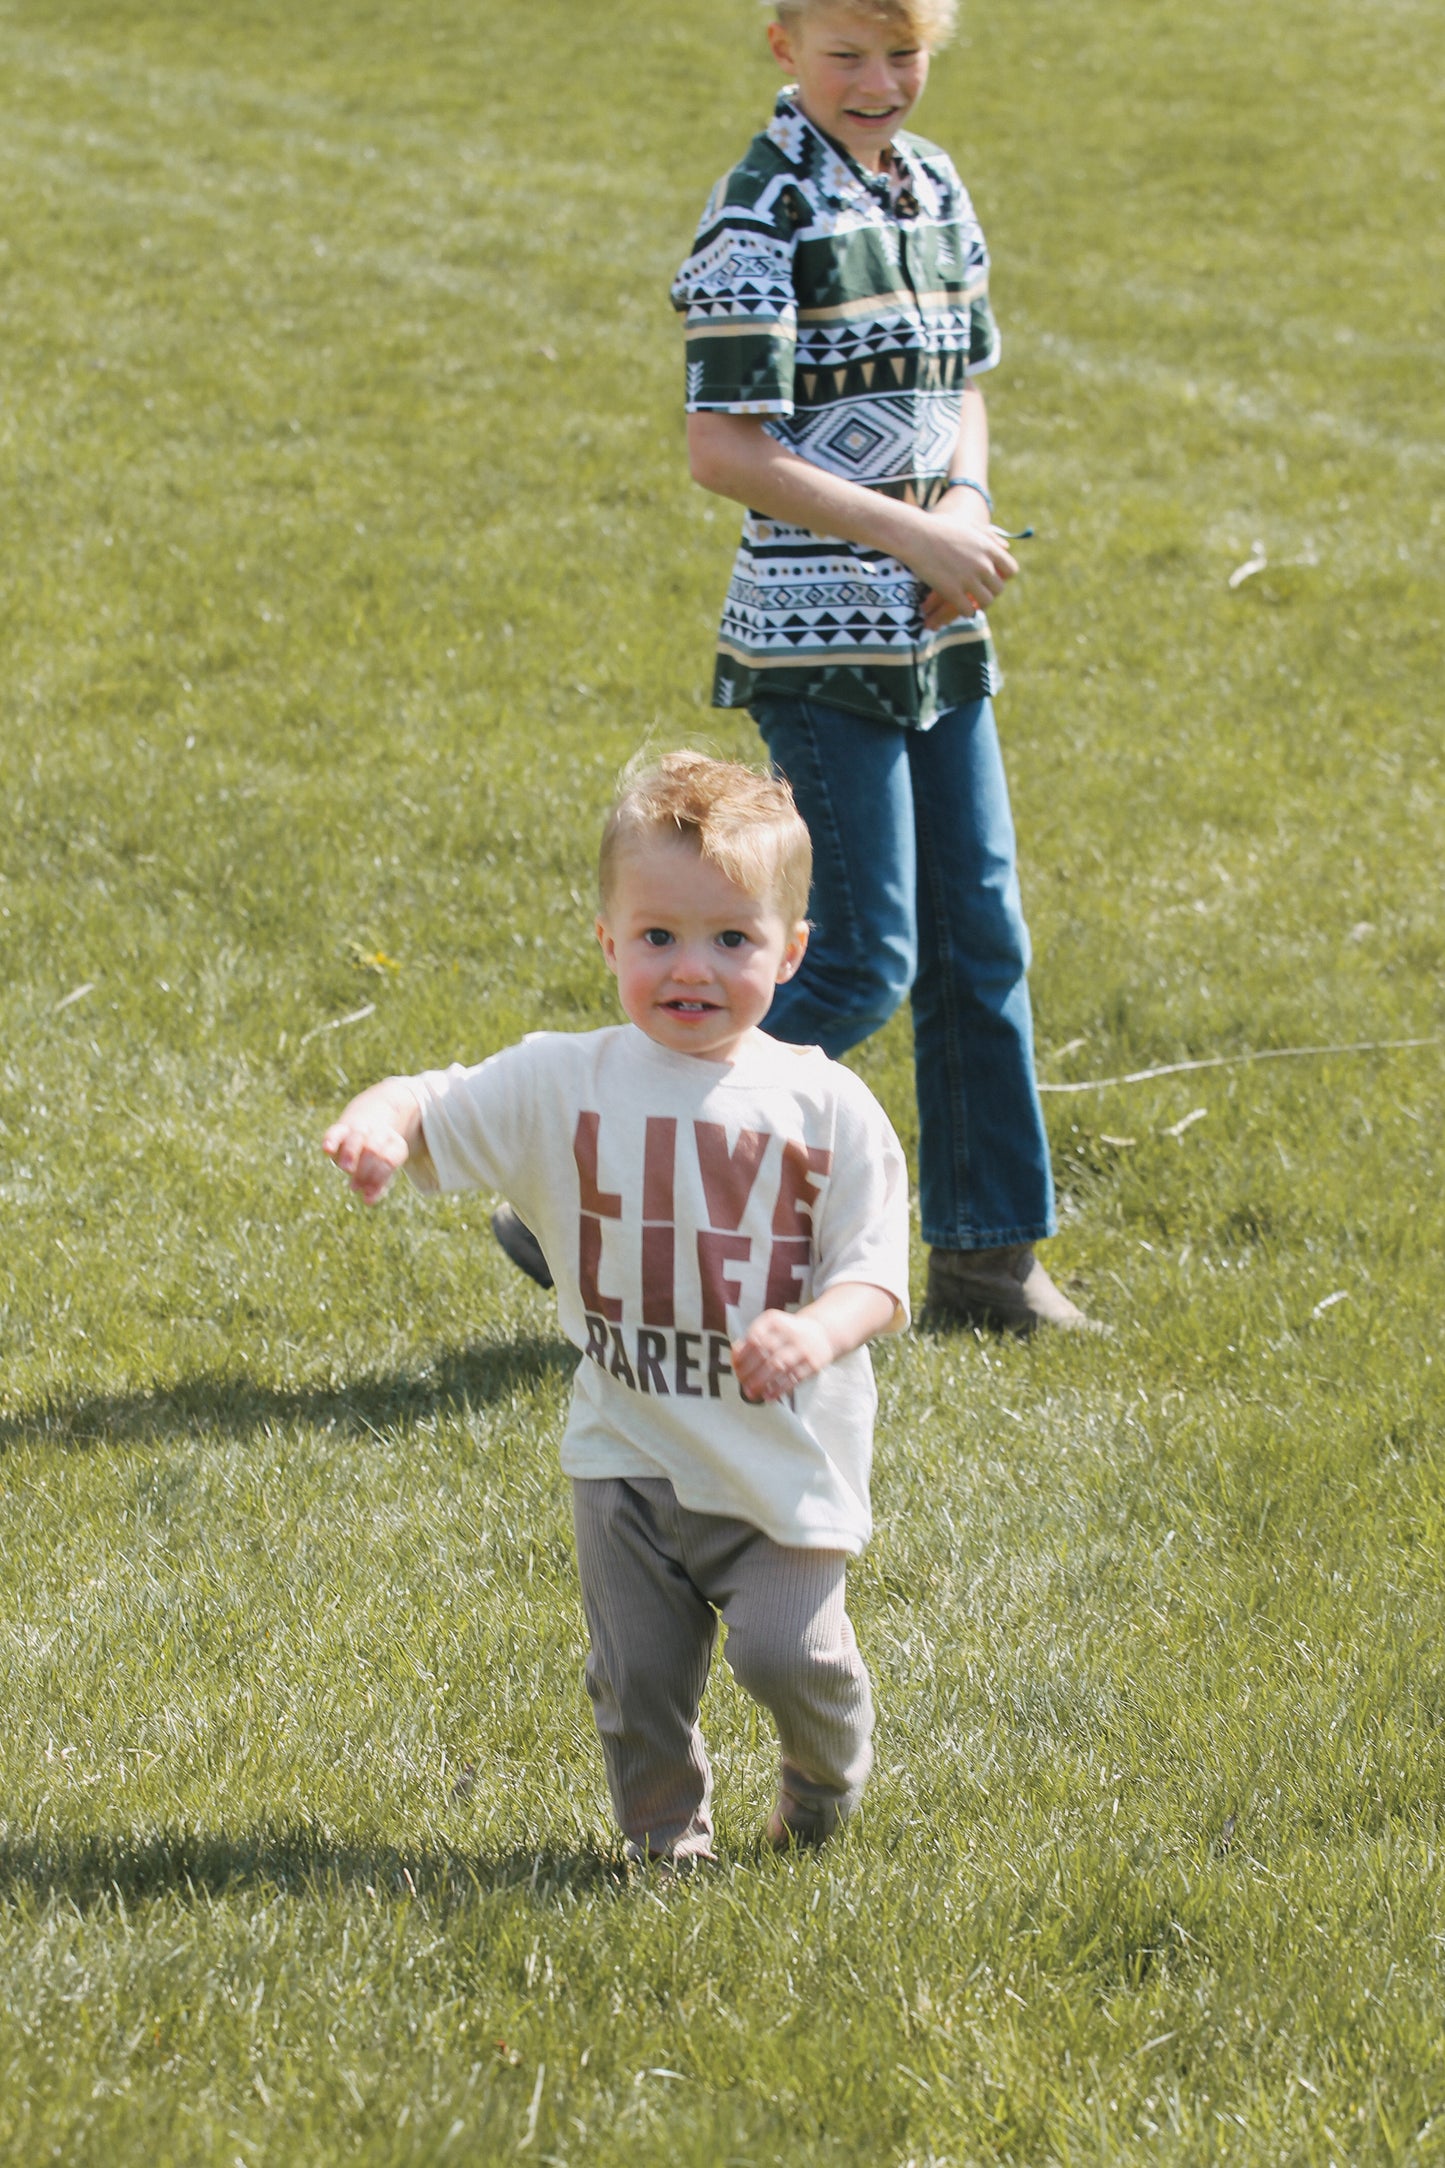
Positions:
(370, 1153)
(954, 549)
(779, 1351)
(967, 569)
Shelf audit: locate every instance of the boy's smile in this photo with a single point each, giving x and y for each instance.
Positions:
(858, 77)
(696, 958)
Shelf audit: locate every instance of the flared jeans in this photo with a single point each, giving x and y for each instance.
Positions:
(916, 892)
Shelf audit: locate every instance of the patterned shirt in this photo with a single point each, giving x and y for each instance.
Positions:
(850, 309)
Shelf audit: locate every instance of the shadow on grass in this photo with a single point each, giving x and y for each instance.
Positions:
(234, 1405)
(136, 1867)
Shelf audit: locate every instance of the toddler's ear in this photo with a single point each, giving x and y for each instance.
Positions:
(607, 945)
(795, 951)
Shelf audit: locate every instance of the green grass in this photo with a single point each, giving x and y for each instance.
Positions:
(346, 552)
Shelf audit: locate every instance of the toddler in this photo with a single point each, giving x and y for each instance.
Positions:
(727, 1220)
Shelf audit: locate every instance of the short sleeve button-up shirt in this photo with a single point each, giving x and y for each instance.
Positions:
(849, 310)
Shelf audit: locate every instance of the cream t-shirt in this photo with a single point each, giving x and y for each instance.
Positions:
(676, 1198)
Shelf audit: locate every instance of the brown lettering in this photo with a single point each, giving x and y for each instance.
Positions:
(619, 1365)
(796, 1192)
(686, 1365)
(718, 1366)
(714, 1253)
(651, 1347)
(658, 1157)
(604, 1202)
(786, 1266)
(657, 1248)
(597, 1340)
(728, 1176)
(589, 1264)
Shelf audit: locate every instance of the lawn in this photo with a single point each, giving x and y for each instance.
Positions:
(346, 553)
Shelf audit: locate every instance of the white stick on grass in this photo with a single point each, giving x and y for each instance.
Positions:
(337, 1022)
(1234, 1061)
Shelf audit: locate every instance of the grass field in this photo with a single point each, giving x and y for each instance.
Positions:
(346, 551)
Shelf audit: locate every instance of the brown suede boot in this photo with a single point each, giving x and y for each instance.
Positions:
(1006, 1290)
(521, 1245)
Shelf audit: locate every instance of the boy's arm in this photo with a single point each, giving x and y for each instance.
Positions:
(966, 508)
(379, 1132)
(959, 558)
(783, 1348)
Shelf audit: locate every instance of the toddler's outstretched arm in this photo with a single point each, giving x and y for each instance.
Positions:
(783, 1348)
(378, 1133)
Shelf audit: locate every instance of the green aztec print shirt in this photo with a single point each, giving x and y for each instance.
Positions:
(850, 309)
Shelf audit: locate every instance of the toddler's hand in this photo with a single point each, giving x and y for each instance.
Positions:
(369, 1152)
(778, 1352)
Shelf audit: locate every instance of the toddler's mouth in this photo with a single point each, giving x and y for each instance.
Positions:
(690, 1008)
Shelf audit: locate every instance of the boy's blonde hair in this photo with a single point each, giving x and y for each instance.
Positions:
(930, 21)
(742, 822)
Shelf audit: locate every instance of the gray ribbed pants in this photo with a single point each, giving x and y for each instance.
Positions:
(655, 1579)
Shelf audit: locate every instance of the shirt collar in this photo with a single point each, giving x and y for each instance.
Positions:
(838, 173)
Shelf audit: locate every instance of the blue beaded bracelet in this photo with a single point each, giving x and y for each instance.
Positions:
(966, 481)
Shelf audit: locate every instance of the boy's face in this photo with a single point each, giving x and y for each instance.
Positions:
(696, 958)
(858, 77)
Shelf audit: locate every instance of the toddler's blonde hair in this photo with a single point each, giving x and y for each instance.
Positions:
(742, 822)
(930, 21)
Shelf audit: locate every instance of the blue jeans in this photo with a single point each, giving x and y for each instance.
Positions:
(915, 891)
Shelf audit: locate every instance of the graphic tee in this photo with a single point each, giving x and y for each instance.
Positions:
(850, 309)
(675, 1199)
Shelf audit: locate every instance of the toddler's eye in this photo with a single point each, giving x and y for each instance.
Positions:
(657, 937)
(732, 938)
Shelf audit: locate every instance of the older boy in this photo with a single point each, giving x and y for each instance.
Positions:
(837, 322)
(728, 1222)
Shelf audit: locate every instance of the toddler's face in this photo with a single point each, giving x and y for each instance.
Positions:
(858, 77)
(696, 958)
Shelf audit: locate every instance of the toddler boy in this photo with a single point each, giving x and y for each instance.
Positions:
(727, 1218)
